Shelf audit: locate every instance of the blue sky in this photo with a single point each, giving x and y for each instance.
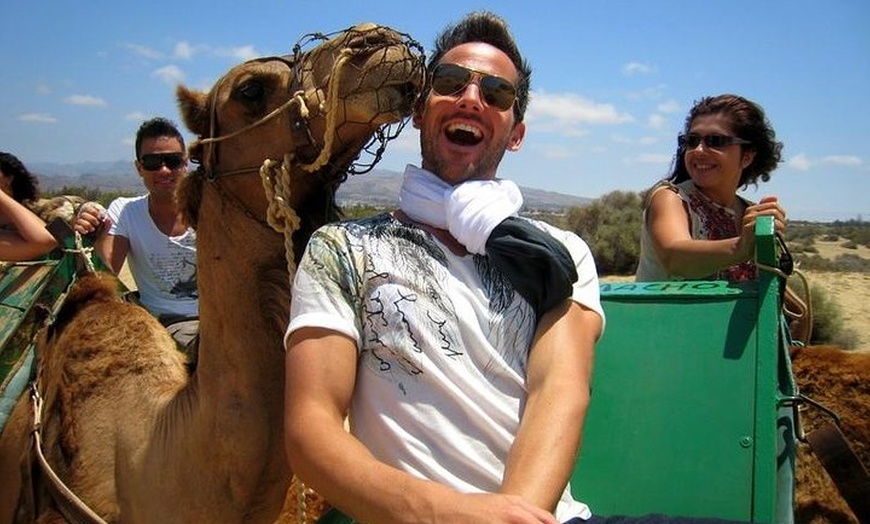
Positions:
(612, 80)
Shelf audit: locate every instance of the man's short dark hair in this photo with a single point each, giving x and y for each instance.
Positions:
(156, 128)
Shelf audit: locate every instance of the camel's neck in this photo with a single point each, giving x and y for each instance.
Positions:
(244, 304)
(244, 297)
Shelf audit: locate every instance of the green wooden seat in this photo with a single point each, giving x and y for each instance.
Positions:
(30, 294)
(690, 412)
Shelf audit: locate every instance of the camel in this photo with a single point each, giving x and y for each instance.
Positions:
(135, 435)
(839, 380)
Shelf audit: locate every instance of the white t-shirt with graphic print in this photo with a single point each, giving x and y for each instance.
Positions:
(443, 345)
(163, 267)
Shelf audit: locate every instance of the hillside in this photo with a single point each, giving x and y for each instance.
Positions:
(379, 188)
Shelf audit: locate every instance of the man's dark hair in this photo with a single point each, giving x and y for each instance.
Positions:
(155, 128)
(489, 28)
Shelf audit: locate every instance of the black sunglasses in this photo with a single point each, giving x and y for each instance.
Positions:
(692, 140)
(154, 161)
(450, 79)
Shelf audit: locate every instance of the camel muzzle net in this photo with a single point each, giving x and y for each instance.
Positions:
(363, 63)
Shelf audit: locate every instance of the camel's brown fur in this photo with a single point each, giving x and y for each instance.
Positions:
(126, 427)
(840, 380)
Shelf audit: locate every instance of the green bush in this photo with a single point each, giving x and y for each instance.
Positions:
(90, 194)
(611, 227)
(828, 323)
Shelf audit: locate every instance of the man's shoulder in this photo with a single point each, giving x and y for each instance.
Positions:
(127, 203)
(124, 200)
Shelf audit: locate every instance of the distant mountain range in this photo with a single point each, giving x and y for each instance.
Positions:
(378, 188)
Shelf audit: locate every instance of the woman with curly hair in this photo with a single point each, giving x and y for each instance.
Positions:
(695, 225)
(22, 234)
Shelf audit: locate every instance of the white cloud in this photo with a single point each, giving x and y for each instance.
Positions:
(144, 51)
(37, 117)
(656, 121)
(43, 89)
(557, 152)
(649, 93)
(799, 162)
(170, 74)
(652, 158)
(183, 50)
(135, 116)
(85, 100)
(843, 160)
(668, 106)
(239, 53)
(567, 111)
(636, 68)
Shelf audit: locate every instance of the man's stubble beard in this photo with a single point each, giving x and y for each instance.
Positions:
(484, 168)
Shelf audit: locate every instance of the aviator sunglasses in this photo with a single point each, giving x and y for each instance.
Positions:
(154, 161)
(692, 140)
(450, 79)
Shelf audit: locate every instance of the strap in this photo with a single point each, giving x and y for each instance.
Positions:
(70, 506)
(845, 468)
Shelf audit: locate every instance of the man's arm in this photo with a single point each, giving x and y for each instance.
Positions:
(320, 377)
(558, 379)
(112, 249)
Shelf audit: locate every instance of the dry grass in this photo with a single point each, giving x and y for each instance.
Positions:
(851, 291)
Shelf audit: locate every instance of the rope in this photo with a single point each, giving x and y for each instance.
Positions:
(72, 507)
(331, 114)
(279, 215)
(84, 253)
(297, 97)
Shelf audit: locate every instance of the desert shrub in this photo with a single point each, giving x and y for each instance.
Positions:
(355, 211)
(611, 227)
(828, 321)
(91, 194)
(830, 238)
(805, 232)
(842, 263)
(797, 248)
(849, 245)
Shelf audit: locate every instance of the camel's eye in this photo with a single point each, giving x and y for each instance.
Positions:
(251, 91)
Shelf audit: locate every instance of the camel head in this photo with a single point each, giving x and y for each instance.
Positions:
(312, 113)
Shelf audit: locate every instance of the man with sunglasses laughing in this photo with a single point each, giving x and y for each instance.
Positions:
(149, 234)
(455, 336)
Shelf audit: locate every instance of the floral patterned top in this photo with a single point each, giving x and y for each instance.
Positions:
(708, 221)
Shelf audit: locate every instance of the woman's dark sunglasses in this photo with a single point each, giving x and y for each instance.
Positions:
(692, 140)
(450, 79)
(154, 161)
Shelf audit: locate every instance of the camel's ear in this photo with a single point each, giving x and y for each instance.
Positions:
(193, 106)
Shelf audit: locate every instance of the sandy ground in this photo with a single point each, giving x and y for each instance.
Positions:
(126, 277)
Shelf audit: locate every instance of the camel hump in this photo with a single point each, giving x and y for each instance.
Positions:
(88, 289)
